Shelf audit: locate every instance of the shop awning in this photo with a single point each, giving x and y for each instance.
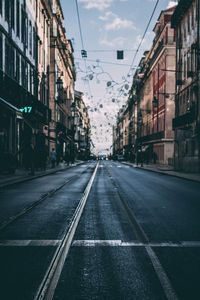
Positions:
(9, 105)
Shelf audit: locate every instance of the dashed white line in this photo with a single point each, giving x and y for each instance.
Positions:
(92, 243)
(120, 243)
(19, 243)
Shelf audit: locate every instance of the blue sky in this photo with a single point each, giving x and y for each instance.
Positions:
(108, 26)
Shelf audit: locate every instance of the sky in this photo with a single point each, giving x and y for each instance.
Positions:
(108, 26)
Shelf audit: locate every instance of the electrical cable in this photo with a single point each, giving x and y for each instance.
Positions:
(151, 17)
(104, 62)
(81, 36)
(79, 24)
(98, 50)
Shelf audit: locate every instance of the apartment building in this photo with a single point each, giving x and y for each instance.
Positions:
(186, 123)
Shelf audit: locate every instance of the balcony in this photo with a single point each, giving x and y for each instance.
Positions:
(183, 120)
(152, 137)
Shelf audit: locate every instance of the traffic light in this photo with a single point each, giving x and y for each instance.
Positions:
(120, 54)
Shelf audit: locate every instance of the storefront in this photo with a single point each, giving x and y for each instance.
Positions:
(11, 123)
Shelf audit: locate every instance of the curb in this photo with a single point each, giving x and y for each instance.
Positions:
(163, 172)
(28, 177)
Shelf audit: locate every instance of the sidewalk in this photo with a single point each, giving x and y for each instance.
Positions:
(21, 175)
(166, 170)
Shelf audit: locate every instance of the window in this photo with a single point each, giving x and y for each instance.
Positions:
(188, 64)
(17, 73)
(184, 33)
(31, 79)
(7, 10)
(26, 30)
(30, 37)
(22, 25)
(185, 65)
(23, 71)
(18, 18)
(1, 51)
(47, 28)
(13, 14)
(192, 21)
(12, 61)
(7, 58)
(188, 22)
(26, 76)
(34, 42)
(0, 7)
(39, 11)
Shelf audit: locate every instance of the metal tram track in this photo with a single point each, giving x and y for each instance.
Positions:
(27, 209)
(143, 238)
(48, 285)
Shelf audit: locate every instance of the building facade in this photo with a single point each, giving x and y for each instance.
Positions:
(82, 128)
(62, 79)
(37, 78)
(186, 124)
(18, 76)
(151, 99)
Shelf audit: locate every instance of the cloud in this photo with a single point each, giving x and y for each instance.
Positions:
(118, 23)
(98, 4)
(119, 41)
(147, 41)
(171, 4)
(107, 16)
(115, 22)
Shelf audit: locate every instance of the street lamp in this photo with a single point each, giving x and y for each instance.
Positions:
(59, 84)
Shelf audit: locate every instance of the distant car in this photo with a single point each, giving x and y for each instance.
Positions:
(101, 157)
(120, 157)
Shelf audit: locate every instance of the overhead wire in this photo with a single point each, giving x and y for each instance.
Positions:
(138, 48)
(81, 36)
(144, 34)
(105, 62)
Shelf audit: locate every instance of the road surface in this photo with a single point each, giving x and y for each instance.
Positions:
(101, 230)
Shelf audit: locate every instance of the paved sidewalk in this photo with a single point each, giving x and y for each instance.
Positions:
(166, 170)
(21, 175)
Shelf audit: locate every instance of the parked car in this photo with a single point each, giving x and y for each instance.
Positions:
(120, 157)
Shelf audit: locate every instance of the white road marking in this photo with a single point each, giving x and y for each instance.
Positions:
(164, 280)
(48, 285)
(92, 243)
(19, 243)
(119, 166)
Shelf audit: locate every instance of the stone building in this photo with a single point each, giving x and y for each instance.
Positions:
(186, 123)
(43, 22)
(37, 76)
(157, 93)
(151, 102)
(82, 129)
(62, 79)
(18, 76)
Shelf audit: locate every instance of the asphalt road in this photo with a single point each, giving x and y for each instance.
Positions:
(138, 236)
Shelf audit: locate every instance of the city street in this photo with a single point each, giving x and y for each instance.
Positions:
(100, 230)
